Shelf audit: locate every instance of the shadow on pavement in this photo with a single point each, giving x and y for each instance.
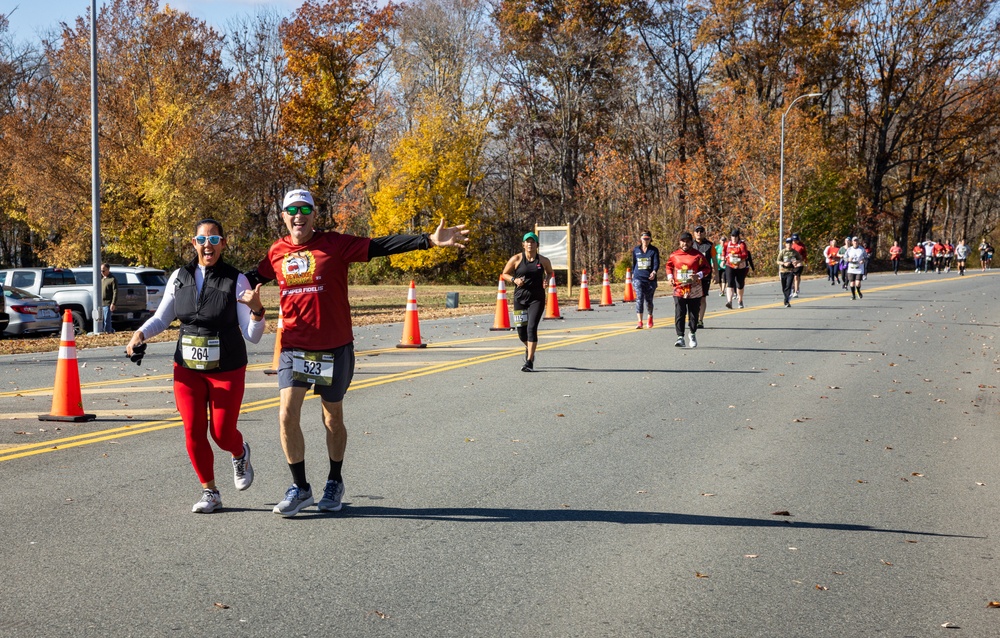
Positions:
(492, 515)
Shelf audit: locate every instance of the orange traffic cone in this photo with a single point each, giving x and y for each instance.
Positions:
(276, 358)
(584, 303)
(501, 319)
(411, 324)
(67, 402)
(606, 291)
(552, 304)
(629, 290)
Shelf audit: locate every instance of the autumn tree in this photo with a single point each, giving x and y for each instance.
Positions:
(337, 53)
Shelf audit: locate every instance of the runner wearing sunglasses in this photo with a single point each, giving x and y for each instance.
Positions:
(218, 310)
(317, 340)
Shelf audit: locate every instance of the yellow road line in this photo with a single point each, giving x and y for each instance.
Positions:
(139, 428)
(610, 330)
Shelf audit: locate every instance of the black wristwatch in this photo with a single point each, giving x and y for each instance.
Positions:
(256, 315)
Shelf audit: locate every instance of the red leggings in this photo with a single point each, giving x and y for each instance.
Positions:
(222, 394)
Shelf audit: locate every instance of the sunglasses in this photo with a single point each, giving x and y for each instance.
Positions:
(295, 210)
(212, 239)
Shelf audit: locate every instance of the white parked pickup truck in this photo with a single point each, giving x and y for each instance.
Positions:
(61, 285)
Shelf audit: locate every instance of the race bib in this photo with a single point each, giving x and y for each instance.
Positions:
(734, 259)
(520, 317)
(643, 263)
(200, 353)
(312, 367)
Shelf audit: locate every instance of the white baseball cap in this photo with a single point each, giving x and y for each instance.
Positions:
(298, 196)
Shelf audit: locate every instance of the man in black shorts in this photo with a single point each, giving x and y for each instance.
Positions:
(707, 249)
(317, 342)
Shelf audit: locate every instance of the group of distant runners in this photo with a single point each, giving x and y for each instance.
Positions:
(219, 309)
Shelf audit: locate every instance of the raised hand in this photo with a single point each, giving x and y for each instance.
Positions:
(451, 236)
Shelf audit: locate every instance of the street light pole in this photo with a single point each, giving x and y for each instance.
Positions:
(95, 177)
(781, 177)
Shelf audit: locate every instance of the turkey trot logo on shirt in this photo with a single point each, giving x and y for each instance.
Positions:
(298, 268)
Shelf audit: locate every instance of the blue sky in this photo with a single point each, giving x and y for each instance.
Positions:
(31, 17)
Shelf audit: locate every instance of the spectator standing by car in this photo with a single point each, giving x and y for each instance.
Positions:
(109, 297)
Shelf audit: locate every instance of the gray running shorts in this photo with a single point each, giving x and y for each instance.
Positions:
(331, 387)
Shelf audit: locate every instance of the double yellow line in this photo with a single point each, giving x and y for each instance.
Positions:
(265, 404)
(604, 331)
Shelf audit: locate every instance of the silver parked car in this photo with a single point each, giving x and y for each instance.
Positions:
(30, 313)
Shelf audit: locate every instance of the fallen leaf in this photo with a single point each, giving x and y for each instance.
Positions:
(838, 573)
(641, 492)
(980, 484)
(833, 387)
(916, 474)
(885, 562)
(781, 513)
(910, 541)
(700, 575)
(950, 625)
(707, 494)
(468, 440)
(560, 414)
(222, 605)
(993, 604)
(750, 555)
(822, 588)
(862, 481)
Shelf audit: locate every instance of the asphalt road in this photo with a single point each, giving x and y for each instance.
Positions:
(823, 470)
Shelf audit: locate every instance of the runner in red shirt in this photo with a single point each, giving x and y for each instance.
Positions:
(800, 248)
(685, 269)
(832, 256)
(317, 340)
(918, 256)
(894, 254)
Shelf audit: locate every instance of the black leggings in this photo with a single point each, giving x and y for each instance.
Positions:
(736, 277)
(686, 309)
(527, 329)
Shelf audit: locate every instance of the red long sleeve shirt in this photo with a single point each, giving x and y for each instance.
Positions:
(681, 267)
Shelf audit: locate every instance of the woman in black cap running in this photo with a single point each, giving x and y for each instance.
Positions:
(528, 271)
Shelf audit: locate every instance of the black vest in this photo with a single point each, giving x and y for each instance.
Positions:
(213, 312)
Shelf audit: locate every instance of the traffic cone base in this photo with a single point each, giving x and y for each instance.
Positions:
(411, 323)
(501, 318)
(67, 401)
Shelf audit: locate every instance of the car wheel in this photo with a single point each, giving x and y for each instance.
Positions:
(79, 323)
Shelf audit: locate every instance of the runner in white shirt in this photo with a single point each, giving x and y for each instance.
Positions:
(856, 257)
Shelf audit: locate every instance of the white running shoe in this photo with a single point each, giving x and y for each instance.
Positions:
(794, 295)
(210, 500)
(242, 470)
(692, 342)
(332, 496)
(679, 343)
(296, 499)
